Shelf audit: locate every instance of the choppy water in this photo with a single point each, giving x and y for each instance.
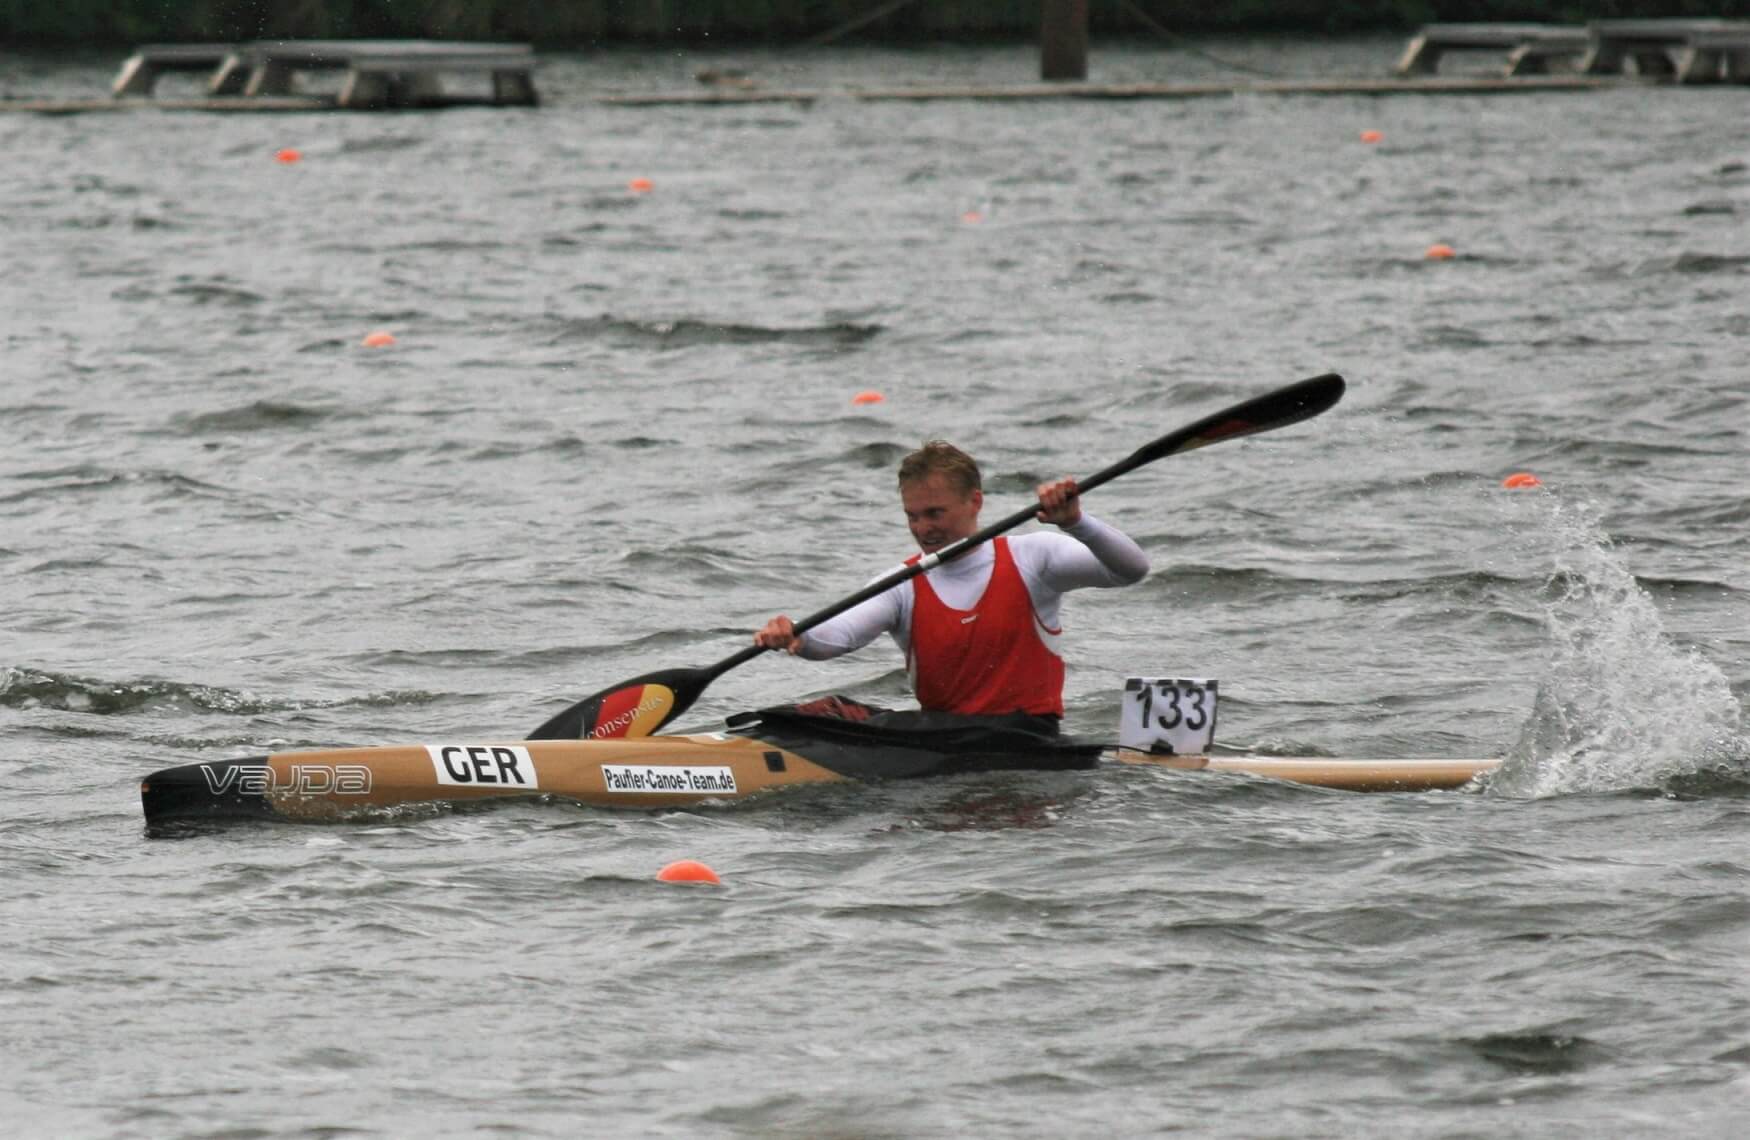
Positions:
(617, 433)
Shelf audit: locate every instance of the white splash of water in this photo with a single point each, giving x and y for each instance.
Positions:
(1621, 705)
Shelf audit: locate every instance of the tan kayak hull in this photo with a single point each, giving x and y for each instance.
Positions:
(1323, 772)
(641, 773)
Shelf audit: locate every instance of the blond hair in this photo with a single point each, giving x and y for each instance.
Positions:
(938, 456)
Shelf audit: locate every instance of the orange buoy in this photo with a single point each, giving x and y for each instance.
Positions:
(869, 397)
(688, 871)
(288, 155)
(1440, 251)
(972, 217)
(1521, 479)
(641, 185)
(379, 339)
(1372, 136)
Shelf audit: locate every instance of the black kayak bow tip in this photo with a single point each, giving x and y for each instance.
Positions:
(215, 790)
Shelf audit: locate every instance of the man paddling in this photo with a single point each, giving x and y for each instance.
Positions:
(979, 632)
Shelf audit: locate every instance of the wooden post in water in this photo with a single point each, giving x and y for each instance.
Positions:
(1063, 39)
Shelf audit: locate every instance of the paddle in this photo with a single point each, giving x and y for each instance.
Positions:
(645, 704)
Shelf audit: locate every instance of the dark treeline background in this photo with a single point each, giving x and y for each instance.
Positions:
(573, 23)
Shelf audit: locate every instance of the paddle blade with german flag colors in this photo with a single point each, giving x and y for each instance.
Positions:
(639, 707)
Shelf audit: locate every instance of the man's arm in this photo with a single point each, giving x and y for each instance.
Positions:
(853, 629)
(1106, 555)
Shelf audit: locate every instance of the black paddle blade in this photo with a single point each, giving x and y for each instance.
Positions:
(639, 707)
(1298, 401)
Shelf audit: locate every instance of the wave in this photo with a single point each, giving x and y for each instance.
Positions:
(24, 688)
(447, 245)
(261, 415)
(216, 292)
(874, 456)
(1538, 1053)
(663, 643)
(784, 475)
(1724, 517)
(1451, 336)
(384, 145)
(1193, 584)
(686, 332)
(710, 564)
(1683, 587)
(751, 214)
(1468, 586)
(1711, 263)
(1616, 455)
(88, 479)
(1188, 394)
(564, 445)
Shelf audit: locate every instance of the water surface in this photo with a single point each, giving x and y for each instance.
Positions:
(616, 433)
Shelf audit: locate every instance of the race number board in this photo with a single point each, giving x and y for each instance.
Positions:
(1168, 714)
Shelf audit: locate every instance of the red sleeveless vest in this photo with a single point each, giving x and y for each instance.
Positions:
(987, 660)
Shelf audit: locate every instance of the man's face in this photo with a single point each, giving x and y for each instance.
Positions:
(938, 512)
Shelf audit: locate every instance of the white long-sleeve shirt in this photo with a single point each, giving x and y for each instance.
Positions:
(1052, 563)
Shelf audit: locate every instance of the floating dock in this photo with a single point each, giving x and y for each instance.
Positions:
(377, 73)
(1682, 51)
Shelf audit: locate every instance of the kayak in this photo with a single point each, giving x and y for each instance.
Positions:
(760, 755)
(607, 749)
